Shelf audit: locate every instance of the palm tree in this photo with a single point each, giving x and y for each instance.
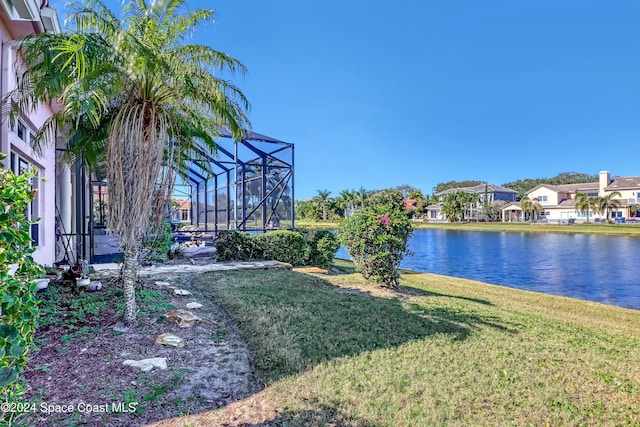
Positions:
(608, 202)
(584, 204)
(360, 198)
(134, 98)
(347, 199)
(456, 204)
(323, 200)
(535, 208)
(525, 205)
(530, 205)
(470, 203)
(522, 193)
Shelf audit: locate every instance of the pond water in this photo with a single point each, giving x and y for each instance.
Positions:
(597, 268)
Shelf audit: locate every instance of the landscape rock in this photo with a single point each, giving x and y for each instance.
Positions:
(95, 286)
(183, 318)
(120, 327)
(170, 340)
(182, 292)
(147, 364)
(194, 305)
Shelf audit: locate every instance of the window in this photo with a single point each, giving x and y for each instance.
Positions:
(20, 165)
(592, 194)
(542, 198)
(23, 131)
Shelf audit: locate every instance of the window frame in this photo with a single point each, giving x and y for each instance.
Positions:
(20, 164)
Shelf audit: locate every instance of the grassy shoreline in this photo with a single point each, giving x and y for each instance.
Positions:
(440, 351)
(608, 229)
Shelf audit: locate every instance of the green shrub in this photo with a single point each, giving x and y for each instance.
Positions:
(377, 237)
(302, 247)
(284, 246)
(323, 245)
(18, 303)
(157, 245)
(236, 245)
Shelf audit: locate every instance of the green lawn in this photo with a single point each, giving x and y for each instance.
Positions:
(619, 229)
(442, 351)
(323, 225)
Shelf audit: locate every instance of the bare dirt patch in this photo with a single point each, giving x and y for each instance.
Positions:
(80, 349)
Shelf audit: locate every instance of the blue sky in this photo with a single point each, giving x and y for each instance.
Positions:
(379, 94)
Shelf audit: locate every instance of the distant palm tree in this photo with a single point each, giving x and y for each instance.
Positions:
(360, 198)
(521, 195)
(471, 201)
(457, 205)
(525, 205)
(347, 199)
(531, 206)
(323, 200)
(608, 202)
(585, 204)
(451, 207)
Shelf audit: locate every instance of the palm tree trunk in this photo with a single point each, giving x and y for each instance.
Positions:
(129, 279)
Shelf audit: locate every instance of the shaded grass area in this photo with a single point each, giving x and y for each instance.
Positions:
(441, 351)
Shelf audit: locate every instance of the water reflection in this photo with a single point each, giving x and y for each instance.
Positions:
(590, 267)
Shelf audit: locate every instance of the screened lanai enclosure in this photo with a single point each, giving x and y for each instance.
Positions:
(245, 185)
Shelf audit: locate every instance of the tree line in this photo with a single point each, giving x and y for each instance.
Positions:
(457, 205)
(323, 207)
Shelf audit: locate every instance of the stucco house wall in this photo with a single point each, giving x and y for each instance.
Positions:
(558, 201)
(628, 187)
(546, 195)
(18, 19)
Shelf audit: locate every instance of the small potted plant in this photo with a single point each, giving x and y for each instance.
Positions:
(43, 283)
(84, 280)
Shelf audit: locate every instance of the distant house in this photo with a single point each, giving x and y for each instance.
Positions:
(557, 203)
(494, 192)
(181, 211)
(410, 204)
(495, 195)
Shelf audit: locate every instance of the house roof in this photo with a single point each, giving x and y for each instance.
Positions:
(628, 183)
(410, 204)
(182, 204)
(512, 205)
(579, 188)
(567, 203)
(568, 188)
(478, 189)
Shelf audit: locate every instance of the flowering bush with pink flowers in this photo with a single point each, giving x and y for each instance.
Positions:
(377, 237)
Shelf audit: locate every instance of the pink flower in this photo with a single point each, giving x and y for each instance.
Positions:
(384, 220)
